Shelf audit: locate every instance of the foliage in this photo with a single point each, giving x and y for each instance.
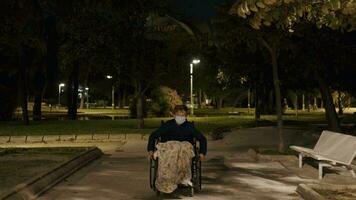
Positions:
(164, 99)
(336, 14)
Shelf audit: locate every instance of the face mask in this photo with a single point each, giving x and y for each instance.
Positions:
(180, 119)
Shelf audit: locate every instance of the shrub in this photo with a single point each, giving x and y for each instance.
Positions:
(164, 99)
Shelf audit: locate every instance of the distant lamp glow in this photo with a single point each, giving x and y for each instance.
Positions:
(86, 88)
(109, 77)
(196, 61)
(62, 85)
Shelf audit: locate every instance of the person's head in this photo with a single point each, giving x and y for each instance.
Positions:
(180, 113)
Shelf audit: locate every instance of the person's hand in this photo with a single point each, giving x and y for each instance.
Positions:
(202, 157)
(150, 154)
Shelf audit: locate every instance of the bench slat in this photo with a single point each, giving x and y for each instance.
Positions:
(336, 146)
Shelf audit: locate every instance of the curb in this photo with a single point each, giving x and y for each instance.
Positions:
(308, 193)
(82, 138)
(36, 186)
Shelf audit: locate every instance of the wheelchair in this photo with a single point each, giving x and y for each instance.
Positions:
(195, 167)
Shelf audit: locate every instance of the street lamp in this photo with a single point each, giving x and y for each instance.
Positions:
(87, 89)
(112, 93)
(195, 61)
(59, 93)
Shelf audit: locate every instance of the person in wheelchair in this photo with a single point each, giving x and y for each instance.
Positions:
(180, 134)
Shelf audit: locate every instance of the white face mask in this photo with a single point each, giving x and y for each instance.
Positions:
(180, 119)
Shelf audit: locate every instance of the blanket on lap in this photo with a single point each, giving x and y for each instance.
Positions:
(174, 165)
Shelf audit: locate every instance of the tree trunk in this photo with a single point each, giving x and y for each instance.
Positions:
(270, 102)
(273, 52)
(23, 84)
(315, 106)
(341, 111)
(73, 92)
(139, 107)
(236, 101)
(296, 105)
(84, 93)
(37, 112)
(40, 82)
(278, 101)
(330, 112)
(24, 96)
(200, 99)
(220, 102)
(123, 99)
(82, 99)
(119, 98)
(257, 104)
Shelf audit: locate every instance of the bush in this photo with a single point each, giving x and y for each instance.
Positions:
(218, 133)
(8, 102)
(164, 99)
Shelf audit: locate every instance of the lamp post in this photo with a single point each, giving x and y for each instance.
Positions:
(112, 93)
(59, 93)
(87, 89)
(195, 61)
(248, 100)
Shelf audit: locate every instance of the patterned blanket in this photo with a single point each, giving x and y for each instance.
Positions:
(174, 165)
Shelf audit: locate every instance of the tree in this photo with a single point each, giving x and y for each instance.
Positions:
(269, 39)
(22, 39)
(142, 56)
(284, 14)
(84, 31)
(336, 14)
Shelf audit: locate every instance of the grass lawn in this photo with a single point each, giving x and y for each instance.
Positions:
(128, 126)
(23, 164)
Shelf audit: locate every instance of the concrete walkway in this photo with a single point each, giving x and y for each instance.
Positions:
(229, 173)
(123, 173)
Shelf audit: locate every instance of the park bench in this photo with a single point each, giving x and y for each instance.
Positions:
(332, 149)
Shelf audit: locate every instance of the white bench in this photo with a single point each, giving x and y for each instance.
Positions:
(332, 149)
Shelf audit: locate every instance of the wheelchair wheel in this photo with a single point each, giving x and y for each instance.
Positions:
(191, 191)
(153, 173)
(196, 174)
(199, 176)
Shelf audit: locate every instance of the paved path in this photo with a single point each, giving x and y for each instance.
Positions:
(123, 174)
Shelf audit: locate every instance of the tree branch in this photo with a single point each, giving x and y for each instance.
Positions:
(265, 44)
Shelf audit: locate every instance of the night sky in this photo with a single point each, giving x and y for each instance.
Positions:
(194, 11)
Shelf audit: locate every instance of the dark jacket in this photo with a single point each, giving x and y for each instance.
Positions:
(171, 131)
